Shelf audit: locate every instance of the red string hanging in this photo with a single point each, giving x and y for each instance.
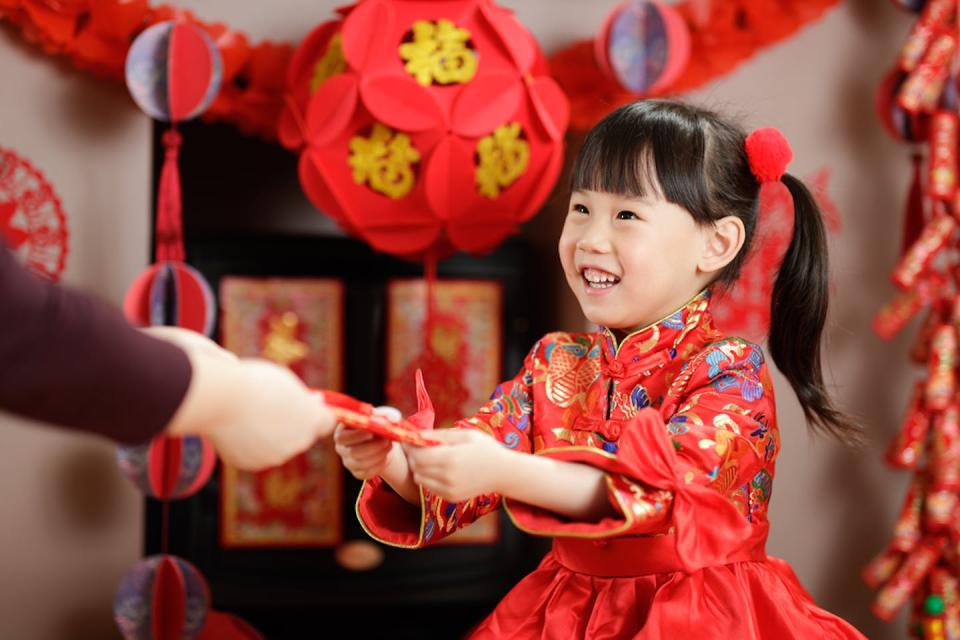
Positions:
(169, 230)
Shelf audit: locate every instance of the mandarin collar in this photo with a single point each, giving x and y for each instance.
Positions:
(656, 344)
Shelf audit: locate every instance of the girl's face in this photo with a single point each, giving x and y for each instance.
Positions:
(629, 261)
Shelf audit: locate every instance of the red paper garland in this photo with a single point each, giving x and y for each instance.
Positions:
(723, 35)
(95, 35)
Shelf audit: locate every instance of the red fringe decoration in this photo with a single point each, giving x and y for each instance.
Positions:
(95, 35)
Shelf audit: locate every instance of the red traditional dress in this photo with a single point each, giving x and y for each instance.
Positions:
(683, 422)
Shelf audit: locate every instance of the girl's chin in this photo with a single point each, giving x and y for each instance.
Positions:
(601, 320)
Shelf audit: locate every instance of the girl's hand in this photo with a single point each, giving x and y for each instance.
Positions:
(467, 463)
(364, 454)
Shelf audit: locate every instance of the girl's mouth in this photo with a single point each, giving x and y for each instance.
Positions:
(596, 279)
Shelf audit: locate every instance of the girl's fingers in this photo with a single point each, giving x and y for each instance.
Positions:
(449, 436)
(370, 451)
(429, 470)
(427, 456)
(431, 474)
(350, 437)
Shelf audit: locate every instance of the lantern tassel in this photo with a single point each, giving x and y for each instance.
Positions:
(169, 230)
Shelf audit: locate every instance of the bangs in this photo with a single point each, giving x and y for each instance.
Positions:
(647, 149)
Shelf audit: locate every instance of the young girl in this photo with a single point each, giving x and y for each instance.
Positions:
(653, 439)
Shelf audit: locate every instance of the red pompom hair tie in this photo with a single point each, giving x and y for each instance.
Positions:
(769, 153)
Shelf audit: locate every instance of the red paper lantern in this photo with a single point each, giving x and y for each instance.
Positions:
(425, 128)
(171, 294)
(644, 45)
(173, 71)
(162, 597)
(168, 468)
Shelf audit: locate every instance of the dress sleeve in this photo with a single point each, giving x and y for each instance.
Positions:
(390, 519)
(708, 439)
(71, 360)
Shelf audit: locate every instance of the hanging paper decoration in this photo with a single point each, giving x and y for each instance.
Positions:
(173, 71)
(644, 45)
(922, 561)
(744, 309)
(722, 36)
(425, 128)
(296, 323)
(457, 345)
(897, 121)
(165, 596)
(171, 294)
(162, 597)
(95, 35)
(168, 468)
(32, 222)
(464, 334)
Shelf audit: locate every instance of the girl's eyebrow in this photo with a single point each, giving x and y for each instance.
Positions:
(645, 200)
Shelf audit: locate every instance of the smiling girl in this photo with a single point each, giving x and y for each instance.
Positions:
(645, 449)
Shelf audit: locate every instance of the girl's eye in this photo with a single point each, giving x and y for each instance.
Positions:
(626, 215)
(579, 208)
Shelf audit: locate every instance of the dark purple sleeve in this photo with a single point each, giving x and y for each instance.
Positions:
(69, 359)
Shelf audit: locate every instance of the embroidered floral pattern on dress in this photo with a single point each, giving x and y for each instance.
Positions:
(576, 396)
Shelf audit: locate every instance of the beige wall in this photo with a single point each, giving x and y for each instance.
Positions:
(71, 526)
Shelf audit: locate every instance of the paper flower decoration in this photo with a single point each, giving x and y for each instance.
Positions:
(32, 221)
(162, 597)
(168, 468)
(425, 128)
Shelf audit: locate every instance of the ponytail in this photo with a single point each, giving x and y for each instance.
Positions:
(798, 312)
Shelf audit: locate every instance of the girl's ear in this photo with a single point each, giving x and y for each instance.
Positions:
(722, 242)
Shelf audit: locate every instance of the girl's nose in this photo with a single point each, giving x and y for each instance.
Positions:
(596, 237)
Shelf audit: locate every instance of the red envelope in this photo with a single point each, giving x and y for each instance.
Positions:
(359, 415)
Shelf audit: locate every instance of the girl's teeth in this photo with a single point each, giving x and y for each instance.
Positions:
(599, 279)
